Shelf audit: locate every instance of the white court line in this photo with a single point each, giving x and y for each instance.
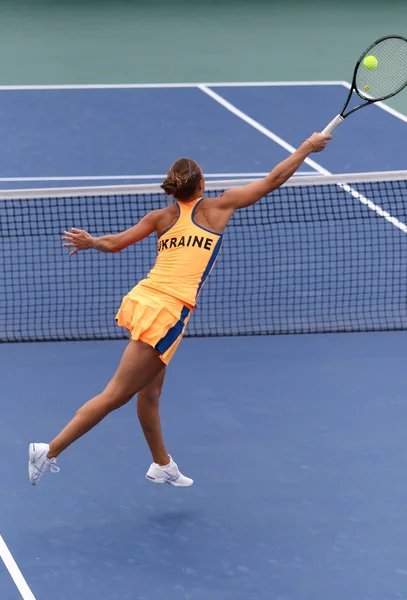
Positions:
(272, 83)
(383, 106)
(278, 140)
(118, 86)
(135, 177)
(15, 572)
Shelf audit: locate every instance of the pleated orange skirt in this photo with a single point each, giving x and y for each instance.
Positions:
(155, 318)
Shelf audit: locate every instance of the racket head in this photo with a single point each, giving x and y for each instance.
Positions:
(390, 75)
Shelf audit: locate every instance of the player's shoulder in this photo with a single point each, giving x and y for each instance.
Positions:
(164, 212)
(211, 201)
(164, 217)
(215, 204)
(214, 215)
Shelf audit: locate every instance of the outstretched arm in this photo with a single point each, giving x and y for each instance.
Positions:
(250, 194)
(82, 240)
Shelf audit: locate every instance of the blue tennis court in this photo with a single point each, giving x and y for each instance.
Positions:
(297, 443)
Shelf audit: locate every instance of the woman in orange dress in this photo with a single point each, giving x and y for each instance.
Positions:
(157, 309)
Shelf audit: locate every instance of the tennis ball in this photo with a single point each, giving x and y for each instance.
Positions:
(370, 62)
(367, 87)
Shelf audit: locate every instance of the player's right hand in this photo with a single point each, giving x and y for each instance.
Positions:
(319, 141)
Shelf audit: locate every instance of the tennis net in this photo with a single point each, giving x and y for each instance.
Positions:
(321, 254)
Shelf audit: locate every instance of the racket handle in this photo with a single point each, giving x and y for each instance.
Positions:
(333, 124)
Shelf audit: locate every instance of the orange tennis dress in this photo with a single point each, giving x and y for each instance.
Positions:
(156, 311)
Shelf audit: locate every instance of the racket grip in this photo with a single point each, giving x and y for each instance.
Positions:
(333, 124)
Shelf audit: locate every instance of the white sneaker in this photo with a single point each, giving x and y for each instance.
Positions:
(169, 474)
(39, 462)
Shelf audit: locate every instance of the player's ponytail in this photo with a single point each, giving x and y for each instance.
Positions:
(182, 179)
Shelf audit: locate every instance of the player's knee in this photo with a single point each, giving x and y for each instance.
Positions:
(116, 397)
(116, 394)
(151, 395)
(121, 398)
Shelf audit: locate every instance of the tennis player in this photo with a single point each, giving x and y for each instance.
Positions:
(156, 311)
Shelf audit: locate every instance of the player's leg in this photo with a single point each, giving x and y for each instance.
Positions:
(163, 469)
(139, 365)
(148, 412)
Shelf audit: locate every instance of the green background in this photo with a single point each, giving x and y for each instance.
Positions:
(141, 41)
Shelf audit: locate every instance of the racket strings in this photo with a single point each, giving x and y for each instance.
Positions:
(390, 75)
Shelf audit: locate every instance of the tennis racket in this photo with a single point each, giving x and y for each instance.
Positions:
(384, 81)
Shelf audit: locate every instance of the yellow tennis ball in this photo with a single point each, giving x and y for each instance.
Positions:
(370, 62)
(367, 87)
